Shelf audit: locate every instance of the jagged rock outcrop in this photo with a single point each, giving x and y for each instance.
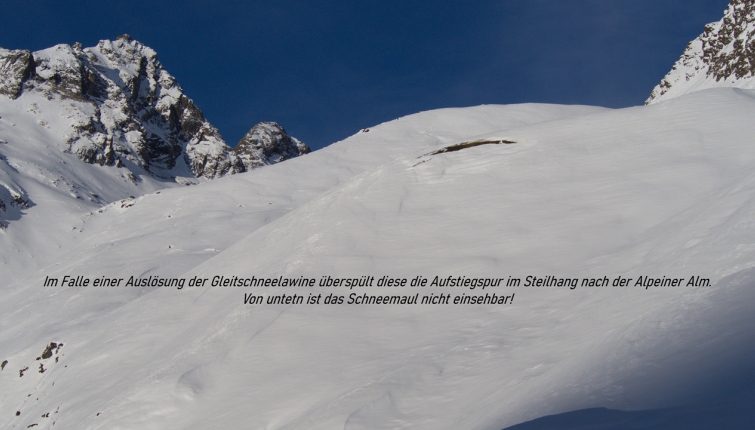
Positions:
(129, 107)
(13, 199)
(723, 56)
(268, 143)
(15, 67)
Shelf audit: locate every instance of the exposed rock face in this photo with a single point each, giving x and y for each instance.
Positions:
(13, 200)
(15, 68)
(268, 143)
(130, 107)
(723, 56)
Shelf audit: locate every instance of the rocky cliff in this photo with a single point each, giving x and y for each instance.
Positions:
(129, 107)
(722, 56)
(268, 143)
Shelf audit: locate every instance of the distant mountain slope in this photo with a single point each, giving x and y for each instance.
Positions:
(723, 56)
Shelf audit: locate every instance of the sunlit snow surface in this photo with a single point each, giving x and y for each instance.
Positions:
(667, 189)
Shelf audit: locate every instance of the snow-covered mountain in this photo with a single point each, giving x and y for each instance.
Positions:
(649, 193)
(83, 127)
(723, 56)
(122, 106)
(489, 191)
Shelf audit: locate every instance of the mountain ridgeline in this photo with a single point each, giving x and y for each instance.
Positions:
(722, 56)
(90, 126)
(125, 107)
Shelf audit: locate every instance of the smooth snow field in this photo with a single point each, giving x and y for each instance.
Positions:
(666, 190)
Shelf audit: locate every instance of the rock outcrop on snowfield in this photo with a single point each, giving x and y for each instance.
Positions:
(268, 143)
(12, 201)
(127, 107)
(723, 56)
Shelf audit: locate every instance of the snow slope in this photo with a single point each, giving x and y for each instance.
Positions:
(662, 190)
(54, 186)
(730, 412)
(199, 221)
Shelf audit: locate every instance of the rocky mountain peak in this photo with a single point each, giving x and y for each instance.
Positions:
(722, 56)
(268, 143)
(127, 107)
(113, 105)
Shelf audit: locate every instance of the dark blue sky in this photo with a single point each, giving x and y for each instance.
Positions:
(326, 69)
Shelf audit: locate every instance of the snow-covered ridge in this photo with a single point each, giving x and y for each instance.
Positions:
(723, 56)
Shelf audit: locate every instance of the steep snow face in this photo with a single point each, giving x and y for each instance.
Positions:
(723, 56)
(73, 203)
(481, 192)
(45, 189)
(268, 143)
(167, 234)
(127, 108)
